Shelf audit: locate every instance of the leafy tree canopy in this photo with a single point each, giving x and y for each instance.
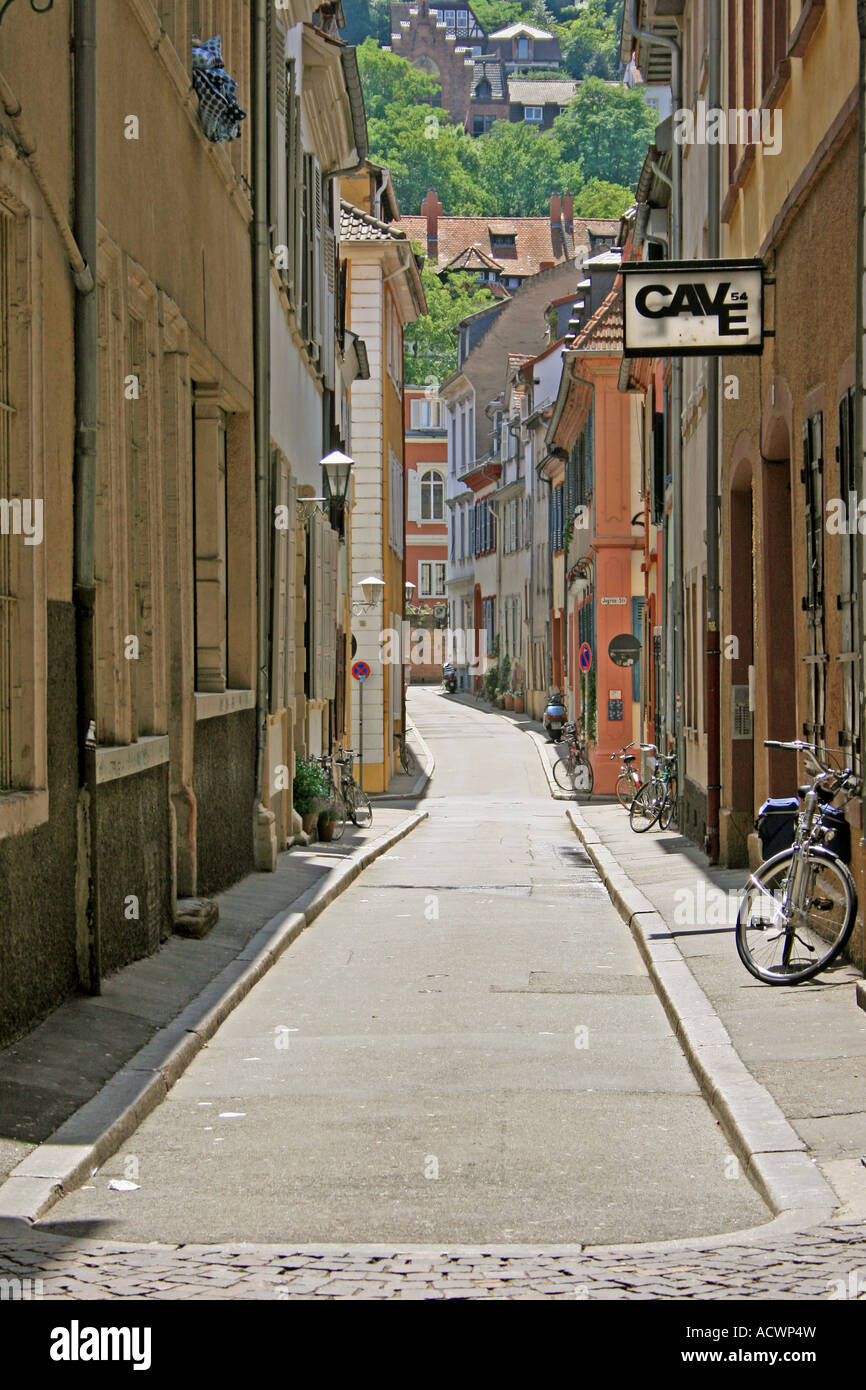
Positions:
(519, 168)
(388, 80)
(423, 150)
(607, 128)
(431, 342)
(598, 198)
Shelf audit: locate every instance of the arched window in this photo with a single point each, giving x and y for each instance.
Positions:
(432, 496)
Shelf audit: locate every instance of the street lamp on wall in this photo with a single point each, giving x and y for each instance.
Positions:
(372, 589)
(336, 471)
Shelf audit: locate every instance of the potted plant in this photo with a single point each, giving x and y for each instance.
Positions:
(505, 681)
(326, 823)
(491, 682)
(518, 706)
(309, 791)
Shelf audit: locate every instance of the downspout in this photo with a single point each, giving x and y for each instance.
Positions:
(583, 381)
(713, 655)
(860, 394)
(84, 483)
(542, 477)
(264, 832)
(676, 399)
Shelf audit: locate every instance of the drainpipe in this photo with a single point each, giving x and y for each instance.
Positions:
(84, 481)
(584, 381)
(673, 48)
(544, 479)
(264, 833)
(860, 392)
(712, 673)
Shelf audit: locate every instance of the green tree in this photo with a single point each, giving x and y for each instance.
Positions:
(431, 342)
(423, 149)
(520, 168)
(607, 128)
(600, 199)
(367, 18)
(391, 81)
(590, 43)
(496, 14)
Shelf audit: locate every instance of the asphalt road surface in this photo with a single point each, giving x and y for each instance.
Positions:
(464, 1047)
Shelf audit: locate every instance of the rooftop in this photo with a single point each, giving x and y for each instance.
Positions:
(550, 92)
(512, 30)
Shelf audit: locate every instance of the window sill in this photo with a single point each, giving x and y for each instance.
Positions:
(210, 704)
(778, 82)
(124, 760)
(22, 811)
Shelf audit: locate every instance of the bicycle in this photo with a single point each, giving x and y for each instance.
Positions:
(408, 761)
(336, 800)
(574, 771)
(799, 907)
(656, 798)
(358, 804)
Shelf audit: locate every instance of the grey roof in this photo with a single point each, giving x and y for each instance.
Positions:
(552, 92)
(493, 69)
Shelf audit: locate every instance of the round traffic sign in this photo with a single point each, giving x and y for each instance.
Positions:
(584, 656)
(361, 671)
(624, 650)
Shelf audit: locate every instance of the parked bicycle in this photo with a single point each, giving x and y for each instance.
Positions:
(336, 801)
(628, 781)
(408, 761)
(573, 771)
(358, 804)
(799, 906)
(656, 799)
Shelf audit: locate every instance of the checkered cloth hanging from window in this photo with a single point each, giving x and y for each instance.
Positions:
(220, 114)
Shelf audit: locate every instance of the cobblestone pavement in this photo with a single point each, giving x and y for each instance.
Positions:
(828, 1262)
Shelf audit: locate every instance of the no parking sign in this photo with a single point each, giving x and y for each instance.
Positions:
(584, 657)
(361, 671)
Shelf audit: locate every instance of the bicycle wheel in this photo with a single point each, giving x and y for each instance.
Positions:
(562, 775)
(407, 759)
(582, 777)
(359, 806)
(782, 946)
(626, 787)
(646, 807)
(669, 806)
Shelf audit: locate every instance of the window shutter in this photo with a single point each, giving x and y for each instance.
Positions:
(318, 261)
(291, 592)
(413, 500)
(279, 586)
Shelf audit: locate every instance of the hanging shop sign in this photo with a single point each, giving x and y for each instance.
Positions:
(693, 308)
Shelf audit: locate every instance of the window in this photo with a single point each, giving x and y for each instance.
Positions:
(462, 19)
(484, 538)
(849, 734)
(533, 114)
(210, 543)
(477, 125)
(432, 578)
(450, 20)
(503, 241)
(488, 622)
(774, 39)
(424, 414)
(556, 518)
(813, 604)
(432, 496)
(522, 48)
(483, 92)
(394, 343)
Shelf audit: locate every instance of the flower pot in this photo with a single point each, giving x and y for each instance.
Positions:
(509, 700)
(327, 826)
(308, 821)
(518, 704)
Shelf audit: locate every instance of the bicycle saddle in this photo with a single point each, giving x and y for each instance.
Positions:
(629, 757)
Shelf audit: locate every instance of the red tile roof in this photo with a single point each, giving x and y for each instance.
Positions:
(537, 242)
(603, 332)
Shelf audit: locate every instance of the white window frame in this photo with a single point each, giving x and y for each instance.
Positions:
(533, 115)
(428, 490)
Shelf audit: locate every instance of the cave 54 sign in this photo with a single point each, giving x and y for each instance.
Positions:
(693, 308)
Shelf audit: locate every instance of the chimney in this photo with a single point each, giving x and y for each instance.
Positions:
(568, 212)
(431, 208)
(555, 212)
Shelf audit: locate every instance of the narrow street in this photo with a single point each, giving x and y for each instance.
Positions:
(474, 1053)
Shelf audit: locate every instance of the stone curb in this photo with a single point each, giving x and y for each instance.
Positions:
(770, 1150)
(97, 1129)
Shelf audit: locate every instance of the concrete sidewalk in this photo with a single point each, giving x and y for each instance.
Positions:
(804, 1045)
(89, 1073)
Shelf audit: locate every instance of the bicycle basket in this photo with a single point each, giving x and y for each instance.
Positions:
(837, 832)
(776, 824)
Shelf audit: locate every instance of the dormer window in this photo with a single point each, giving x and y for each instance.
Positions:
(483, 91)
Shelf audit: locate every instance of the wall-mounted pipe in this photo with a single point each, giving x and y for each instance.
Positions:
(84, 480)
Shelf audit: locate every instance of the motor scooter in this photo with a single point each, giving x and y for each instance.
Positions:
(555, 717)
(449, 678)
